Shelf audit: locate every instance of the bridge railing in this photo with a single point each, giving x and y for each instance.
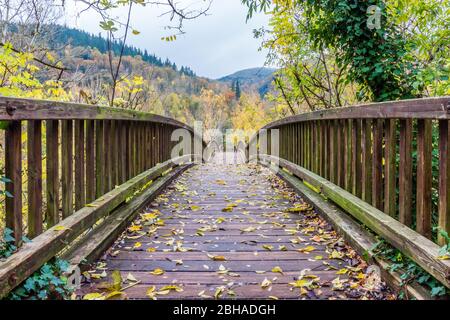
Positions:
(69, 165)
(387, 164)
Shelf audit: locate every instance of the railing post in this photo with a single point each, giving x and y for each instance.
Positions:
(13, 171)
(52, 160)
(34, 155)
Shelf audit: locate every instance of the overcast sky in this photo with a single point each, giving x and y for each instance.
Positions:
(213, 46)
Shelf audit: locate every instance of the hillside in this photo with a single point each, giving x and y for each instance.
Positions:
(256, 79)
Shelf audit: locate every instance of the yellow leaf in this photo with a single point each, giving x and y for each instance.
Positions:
(266, 283)
(116, 280)
(172, 287)
(221, 182)
(219, 291)
(277, 269)
(273, 298)
(135, 228)
(137, 245)
(195, 208)
(94, 296)
(267, 247)
(342, 271)
(60, 228)
(216, 258)
(249, 229)
(151, 249)
(151, 292)
(114, 294)
(157, 272)
(307, 249)
(301, 283)
(336, 255)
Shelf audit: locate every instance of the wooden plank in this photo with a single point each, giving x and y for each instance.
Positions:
(34, 154)
(99, 160)
(377, 164)
(348, 155)
(67, 167)
(34, 254)
(417, 247)
(429, 108)
(424, 178)
(405, 173)
(34, 109)
(340, 154)
(52, 163)
(333, 151)
(366, 161)
(80, 185)
(390, 191)
(91, 247)
(359, 238)
(444, 180)
(123, 151)
(13, 171)
(356, 158)
(108, 154)
(90, 161)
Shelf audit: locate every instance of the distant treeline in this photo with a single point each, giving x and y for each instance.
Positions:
(79, 38)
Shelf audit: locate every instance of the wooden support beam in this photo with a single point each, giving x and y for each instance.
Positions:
(52, 161)
(405, 173)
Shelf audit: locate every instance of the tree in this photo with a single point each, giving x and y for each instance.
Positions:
(379, 59)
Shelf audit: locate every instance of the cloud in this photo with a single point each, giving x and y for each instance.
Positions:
(213, 46)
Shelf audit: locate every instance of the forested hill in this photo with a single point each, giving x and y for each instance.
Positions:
(257, 79)
(63, 35)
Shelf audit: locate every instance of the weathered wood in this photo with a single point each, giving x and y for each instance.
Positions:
(102, 237)
(13, 171)
(417, 247)
(67, 167)
(99, 160)
(348, 155)
(90, 161)
(366, 158)
(108, 155)
(52, 163)
(429, 108)
(390, 204)
(80, 182)
(358, 237)
(444, 180)
(405, 173)
(356, 158)
(34, 109)
(377, 164)
(424, 177)
(33, 254)
(341, 154)
(333, 152)
(34, 154)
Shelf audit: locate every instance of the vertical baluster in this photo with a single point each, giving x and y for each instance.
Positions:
(52, 164)
(333, 151)
(377, 165)
(341, 154)
(13, 171)
(405, 172)
(34, 154)
(123, 151)
(107, 158)
(444, 180)
(389, 174)
(90, 161)
(348, 155)
(80, 193)
(366, 158)
(99, 159)
(424, 177)
(356, 157)
(67, 168)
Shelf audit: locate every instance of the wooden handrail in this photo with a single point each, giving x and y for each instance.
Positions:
(430, 108)
(33, 109)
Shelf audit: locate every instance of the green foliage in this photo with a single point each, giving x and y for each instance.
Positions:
(48, 283)
(7, 246)
(408, 269)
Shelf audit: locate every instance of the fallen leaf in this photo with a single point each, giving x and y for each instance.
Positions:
(277, 269)
(157, 272)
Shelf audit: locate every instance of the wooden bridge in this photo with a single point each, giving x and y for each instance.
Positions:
(99, 188)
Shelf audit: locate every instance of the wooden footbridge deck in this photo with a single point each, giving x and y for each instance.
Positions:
(225, 231)
(302, 219)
